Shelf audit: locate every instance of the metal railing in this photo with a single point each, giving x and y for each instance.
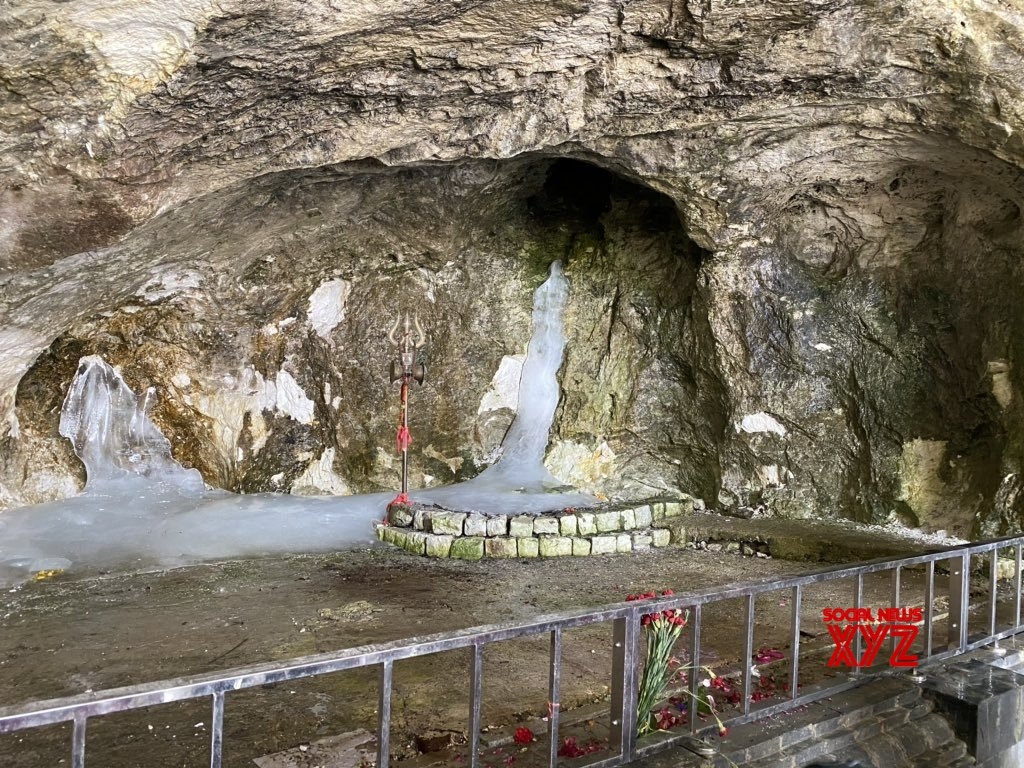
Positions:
(626, 620)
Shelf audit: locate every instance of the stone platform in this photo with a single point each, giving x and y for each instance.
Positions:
(568, 532)
(636, 526)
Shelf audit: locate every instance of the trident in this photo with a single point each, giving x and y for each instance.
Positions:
(406, 369)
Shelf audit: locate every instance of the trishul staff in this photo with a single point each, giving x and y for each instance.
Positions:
(407, 370)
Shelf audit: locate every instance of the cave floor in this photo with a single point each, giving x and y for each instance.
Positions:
(65, 636)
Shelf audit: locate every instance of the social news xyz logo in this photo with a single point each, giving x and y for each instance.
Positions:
(874, 627)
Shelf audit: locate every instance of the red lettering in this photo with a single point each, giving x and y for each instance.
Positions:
(875, 636)
(900, 615)
(901, 657)
(849, 615)
(842, 637)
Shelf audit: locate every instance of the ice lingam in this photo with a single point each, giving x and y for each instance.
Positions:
(142, 509)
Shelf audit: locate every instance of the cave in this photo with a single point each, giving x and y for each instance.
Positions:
(636, 341)
(792, 234)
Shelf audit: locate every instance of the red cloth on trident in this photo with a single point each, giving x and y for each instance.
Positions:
(403, 440)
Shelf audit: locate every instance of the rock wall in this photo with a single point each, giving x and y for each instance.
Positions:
(793, 232)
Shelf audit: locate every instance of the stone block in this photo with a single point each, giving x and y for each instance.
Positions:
(400, 515)
(438, 546)
(419, 519)
(475, 525)
(449, 523)
(608, 521)
(468, 549)
(528, 547)
(497, 526)
(586, 523)
(624, 543)
(673, 509)
(545, 526)
(502, 546)
(567, 525)
(698, 505)
(642, 542)
(520, 525)
(658, 511)
(580, 547)
(628, 519)
(603, 545)
(676, 529)
(660, 537)
(384, 533)
(555, 546)
(644, 516)
(411, 541)
(1005, 569)
(983, 703)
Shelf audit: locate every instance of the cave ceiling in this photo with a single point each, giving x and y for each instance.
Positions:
(793, 230)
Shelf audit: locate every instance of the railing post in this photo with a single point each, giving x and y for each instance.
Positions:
(78, 742)
(748, 651)
(217, 730)
(384, 714)
(894, 602)
(858, 603)
(476, 691)
(993, 591)
(959, 599)
(693, 705)
(625, 637)
(554, 695)
(929, 607)
(794, 670)
(1016, 586)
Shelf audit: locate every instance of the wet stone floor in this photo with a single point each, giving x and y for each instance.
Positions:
(65, 635)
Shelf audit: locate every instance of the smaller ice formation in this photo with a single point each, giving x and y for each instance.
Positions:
(112, 433)
(141, 509)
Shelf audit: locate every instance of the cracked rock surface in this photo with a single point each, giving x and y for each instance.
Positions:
(793, 231)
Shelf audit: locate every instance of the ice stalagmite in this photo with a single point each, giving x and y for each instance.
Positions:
(518, 482)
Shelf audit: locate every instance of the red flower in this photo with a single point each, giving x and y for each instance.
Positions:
(723, 731)
(523, 736)
(765, 655)
(666, 719)
(570, 748)
(667, 592)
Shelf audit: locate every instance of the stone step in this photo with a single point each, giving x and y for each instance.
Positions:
(893, 740)
(785, 739)
(886, 722)
(951, 754)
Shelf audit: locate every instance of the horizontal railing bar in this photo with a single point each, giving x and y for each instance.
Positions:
(149, 694)
(14, 718)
